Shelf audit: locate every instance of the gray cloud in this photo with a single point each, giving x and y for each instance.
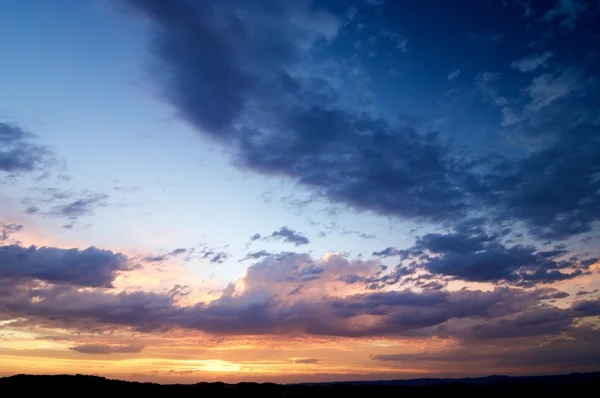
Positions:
(307, 308)
(280, 122)
(576, 348)
(257, 255)
(469, 253)
(166, 256)
(103, 349)
(90, 267)
(66, 204)
(80, 207)
(290, 236)
(8, 229)
(306, 361)
(18, 151)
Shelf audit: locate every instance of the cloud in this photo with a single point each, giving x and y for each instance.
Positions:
(103, 349)
(453, 74)
(18, 152)
(66, 204)
(533, 62)
(575, 347)
(297, 127)
(8, 229)
(127, 189)
(484, 85)
(293, 293)
(279, 115)
(527, 10)
(470, 253)
(390, 252)
(80, 207)
(219, 258)
(399, 41)
(257, 255)
(255, 237)
(567, 11)
(548, 88)
(456, 355)
(91, 267)
(306, 361)
(558, 126)
(290, 236)
(536, 322)
(166, 256)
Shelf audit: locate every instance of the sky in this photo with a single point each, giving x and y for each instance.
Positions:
(299, 191)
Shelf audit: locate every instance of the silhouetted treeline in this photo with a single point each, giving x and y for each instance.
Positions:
(22, 385)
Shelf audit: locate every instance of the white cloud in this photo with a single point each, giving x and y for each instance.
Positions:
(533, 62)
(453, 74)
(509, 117)
(547, 88)
(568, 10)
(396, 38)
(482, 83)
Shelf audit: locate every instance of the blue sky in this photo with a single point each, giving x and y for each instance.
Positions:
(453, 147)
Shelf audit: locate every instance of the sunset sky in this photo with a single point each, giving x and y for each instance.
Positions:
(291, 191)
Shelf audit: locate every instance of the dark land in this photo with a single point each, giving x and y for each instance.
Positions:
(21, 385)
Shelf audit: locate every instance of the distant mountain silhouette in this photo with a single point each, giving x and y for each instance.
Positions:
(82, 385)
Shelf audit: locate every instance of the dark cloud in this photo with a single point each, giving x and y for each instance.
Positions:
(32, 210)
(249, 96)
(66, 204)
(576, 348)
(166, 256)
(470, 253)
(365, 235)
(255, 237)
(306, 361)
(219, 258)
(257, 255)
(587, 307)
(213, 256)
(8, 229)
(290, 236)
(537, 322)
(103, 349)
(554, 296)
(390, 252)
(456, 355)
(90, 267)
(84, 206)
(18, 151)
(304, 131)
(291, 294)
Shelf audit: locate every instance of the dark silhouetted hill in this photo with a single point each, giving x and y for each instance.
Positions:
(23, 385)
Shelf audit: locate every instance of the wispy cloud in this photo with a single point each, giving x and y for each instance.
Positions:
(533, 62)
(103, 349)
